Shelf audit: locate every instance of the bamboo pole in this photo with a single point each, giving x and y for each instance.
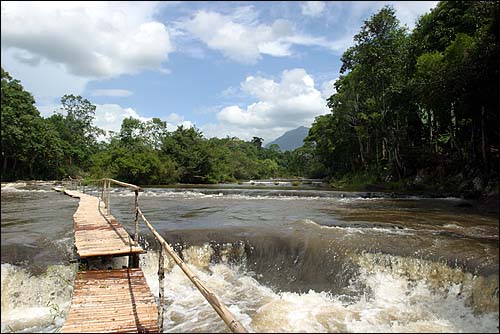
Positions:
(102, 192)
(136, 220)
(108, 209)
(104, 184)
(234, 325)
(123, 184)
(161, 287)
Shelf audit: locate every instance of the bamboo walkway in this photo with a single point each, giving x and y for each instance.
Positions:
(120, 300)
(97, 233)
(107, 301)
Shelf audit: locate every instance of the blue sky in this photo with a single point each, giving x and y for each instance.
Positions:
(229, 68)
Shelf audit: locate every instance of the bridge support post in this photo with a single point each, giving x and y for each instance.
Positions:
(108, 209)
(102, 191)
(136, 220)
(161, 288)
(133, 261)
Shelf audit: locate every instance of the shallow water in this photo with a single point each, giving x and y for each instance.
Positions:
(281, 260)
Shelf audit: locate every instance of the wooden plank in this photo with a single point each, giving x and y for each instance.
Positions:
(97, 233)
(107, 301)
(123, 303)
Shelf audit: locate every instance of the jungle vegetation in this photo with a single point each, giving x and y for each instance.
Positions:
(410, 108)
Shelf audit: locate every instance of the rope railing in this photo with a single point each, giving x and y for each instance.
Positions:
(234, 325)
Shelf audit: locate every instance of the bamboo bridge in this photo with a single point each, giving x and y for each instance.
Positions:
(120, 300)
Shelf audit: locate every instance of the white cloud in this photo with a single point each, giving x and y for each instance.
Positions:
(243, 39)
(409, 11)
(174, 118)
(111, 92)
(56, 48)
(109, 117)
(292, 102)
(93, 40)
(48, 82)
(406, 11)
(312, 8)
(221, 130)
(327, 88)
(230, 92)
(185, 124)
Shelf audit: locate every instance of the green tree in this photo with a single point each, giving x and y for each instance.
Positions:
(424, 100)
(257, 141)
(19, 120)
(189, 150)
(74, 124)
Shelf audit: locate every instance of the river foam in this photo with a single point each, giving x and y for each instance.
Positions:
(17, 187)
(35, 303)
(394, 299)
(397, 295)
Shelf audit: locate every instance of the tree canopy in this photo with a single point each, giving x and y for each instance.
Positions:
(420, 102)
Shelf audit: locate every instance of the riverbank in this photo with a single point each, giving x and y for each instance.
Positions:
(482, 196)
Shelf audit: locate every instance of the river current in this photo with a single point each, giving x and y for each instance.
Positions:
(282, 260)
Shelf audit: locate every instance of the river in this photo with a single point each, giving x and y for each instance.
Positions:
(282, 260)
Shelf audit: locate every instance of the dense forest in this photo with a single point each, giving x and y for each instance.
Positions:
(420, 106)
(66, 144)
(410, 109)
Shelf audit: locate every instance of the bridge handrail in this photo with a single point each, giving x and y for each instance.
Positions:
(234, 325)
(123, 184)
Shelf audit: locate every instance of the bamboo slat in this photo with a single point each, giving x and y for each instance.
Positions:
(97, 233)
(120, 300)
(122, 304)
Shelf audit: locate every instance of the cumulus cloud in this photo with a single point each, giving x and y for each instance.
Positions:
(406, 11)
(312, 8)
(245, 40)
(222, 130)
(92, 40)
(409, 11)
(174, 118)
(185, 124)
(109, 117)
(48, 82)
(280, 106)
(327, 88)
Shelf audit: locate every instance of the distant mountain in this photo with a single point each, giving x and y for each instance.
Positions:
(291, 140)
